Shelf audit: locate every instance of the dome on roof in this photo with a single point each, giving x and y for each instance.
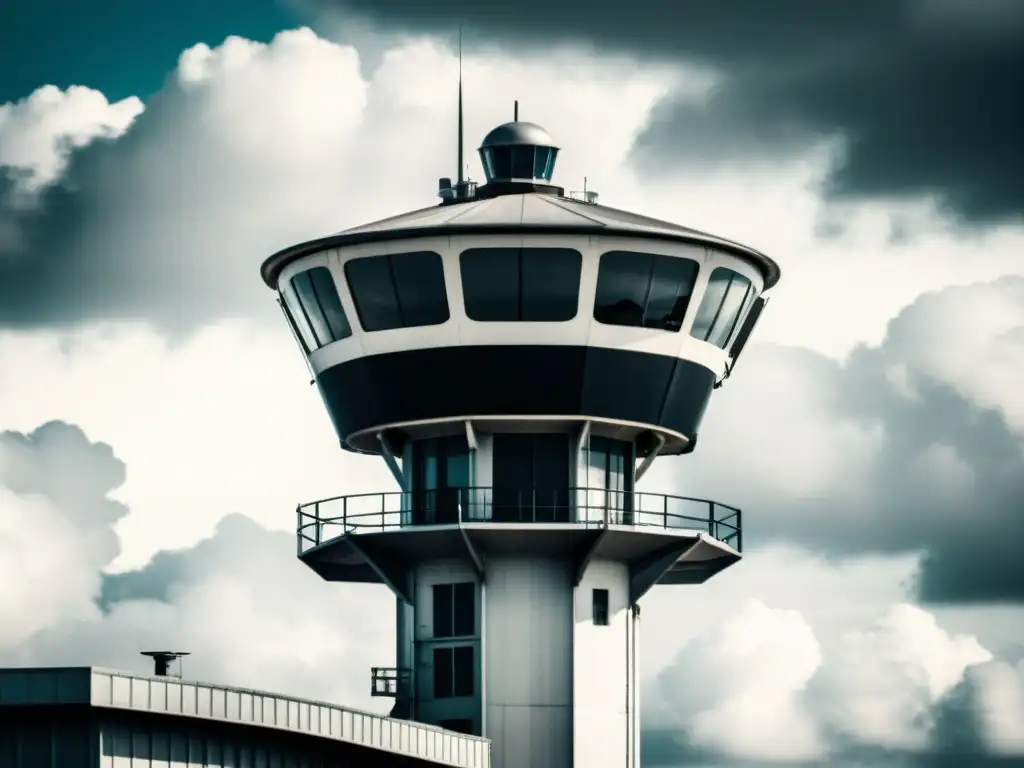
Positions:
(518, 134)
(518, 152)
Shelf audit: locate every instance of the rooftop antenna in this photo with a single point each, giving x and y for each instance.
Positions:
(162, 662)
(461, 179)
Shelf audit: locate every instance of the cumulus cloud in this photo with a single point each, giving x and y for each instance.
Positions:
(39, 133)
(222, 422)
(231, 160)
(914, 445)
(251, 147)
(920, 92)
(248, 610)
(736, 689)
(760, 688)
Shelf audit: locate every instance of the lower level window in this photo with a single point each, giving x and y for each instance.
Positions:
(601, 607)
(459, 725)
(453, 672)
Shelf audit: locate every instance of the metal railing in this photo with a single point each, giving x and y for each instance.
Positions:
(393, 682)
(327, 519)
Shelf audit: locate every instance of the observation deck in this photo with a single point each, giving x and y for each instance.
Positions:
(377, 537)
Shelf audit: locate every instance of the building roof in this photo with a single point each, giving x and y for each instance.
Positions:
(105, 688)
(531, 213)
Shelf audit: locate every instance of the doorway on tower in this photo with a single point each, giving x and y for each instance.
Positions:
(531, 478)
(440, 477)
(609, 481)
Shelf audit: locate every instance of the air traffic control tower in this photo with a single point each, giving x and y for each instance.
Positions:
(519, 356)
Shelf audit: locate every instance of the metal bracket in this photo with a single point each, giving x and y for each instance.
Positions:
(391, 573)
(389, 459)
(588, 555)
(648, 571)
(478, 562)
(659, 443)
(471, 436)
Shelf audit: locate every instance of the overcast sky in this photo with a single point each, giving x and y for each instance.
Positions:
(873, 435)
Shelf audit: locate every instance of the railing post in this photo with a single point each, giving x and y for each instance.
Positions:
(711, 520)
(739, 530)
(664, 511)
(344, 514)
(298, 528)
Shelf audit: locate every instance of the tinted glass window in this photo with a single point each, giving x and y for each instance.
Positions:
(728, 297)
(544, 162)
(522, 162)
(314, 307)
(601, 607)
(463, 663)
(498, 161)
(453, 672)
(540, 285)
(459, 725)
(401, 290)
(454, 609)
(643, 289)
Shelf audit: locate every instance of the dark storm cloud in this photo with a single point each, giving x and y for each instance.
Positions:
(926, 93)
(888, 451)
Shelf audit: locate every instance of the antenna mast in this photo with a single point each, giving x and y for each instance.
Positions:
(460, 109)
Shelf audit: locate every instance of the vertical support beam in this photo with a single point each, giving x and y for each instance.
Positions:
(471, 436)
(584, 441)
(389, 459)
(659, 443)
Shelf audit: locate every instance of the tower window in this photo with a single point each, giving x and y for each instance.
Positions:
(644, 290)
(455, 609)
(314, 308)
(453, 672)
(400, 290)
(540, 285)
(459, 725)
(727, 298)
(609, 480)
(601, 607)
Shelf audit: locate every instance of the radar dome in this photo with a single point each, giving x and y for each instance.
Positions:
(518, 151)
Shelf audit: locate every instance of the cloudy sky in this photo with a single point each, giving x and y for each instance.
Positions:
(157, 427)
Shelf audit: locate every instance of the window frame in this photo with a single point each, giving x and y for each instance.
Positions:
(522, 297)
(750, 295)
(451, 689)
(289, 294)
(450, 593)
(655, 259)
(393, 282)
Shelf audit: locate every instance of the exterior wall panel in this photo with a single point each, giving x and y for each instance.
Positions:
(604, 682)
(529, 662)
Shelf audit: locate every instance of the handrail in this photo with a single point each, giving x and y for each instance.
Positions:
(598, 507)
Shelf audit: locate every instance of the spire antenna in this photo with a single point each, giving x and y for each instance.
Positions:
(460, 108)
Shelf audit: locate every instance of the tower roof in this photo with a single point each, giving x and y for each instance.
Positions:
(520, 214)
(517, 134)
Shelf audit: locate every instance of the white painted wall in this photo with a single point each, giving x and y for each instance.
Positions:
(604, 681)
